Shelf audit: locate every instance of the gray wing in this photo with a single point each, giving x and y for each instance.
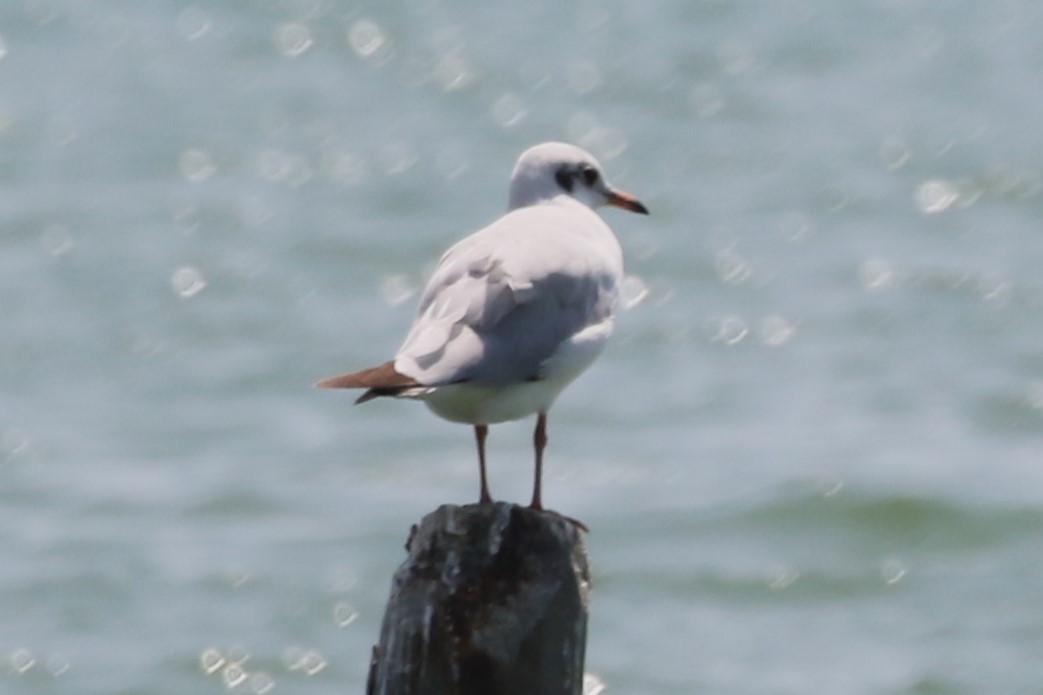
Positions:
(501, 302)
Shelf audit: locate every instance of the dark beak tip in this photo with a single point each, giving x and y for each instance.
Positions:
(628, 202)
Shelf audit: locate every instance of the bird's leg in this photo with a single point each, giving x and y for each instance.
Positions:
(539, 440)
(480, 432)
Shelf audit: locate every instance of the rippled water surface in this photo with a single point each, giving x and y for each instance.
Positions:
(811, 460)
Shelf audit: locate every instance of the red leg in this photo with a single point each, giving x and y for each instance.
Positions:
(539, 440)
(480, 432)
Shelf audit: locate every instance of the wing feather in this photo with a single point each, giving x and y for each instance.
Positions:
(503, 300)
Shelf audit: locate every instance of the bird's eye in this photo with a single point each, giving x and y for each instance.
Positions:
(589, 174)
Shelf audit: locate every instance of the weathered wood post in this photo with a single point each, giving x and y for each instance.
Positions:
(492, 600)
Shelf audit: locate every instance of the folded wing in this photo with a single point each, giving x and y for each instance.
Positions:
(500, 303)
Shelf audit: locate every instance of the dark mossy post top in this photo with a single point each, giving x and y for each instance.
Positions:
(492, 600)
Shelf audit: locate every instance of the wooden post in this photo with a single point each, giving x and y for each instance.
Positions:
(492, 600)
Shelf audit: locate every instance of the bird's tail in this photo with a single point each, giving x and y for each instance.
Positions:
(381, 380)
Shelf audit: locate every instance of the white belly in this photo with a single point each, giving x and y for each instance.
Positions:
(488, 403)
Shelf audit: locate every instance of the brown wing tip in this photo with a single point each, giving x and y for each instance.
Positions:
(336, 382)
(383, 379)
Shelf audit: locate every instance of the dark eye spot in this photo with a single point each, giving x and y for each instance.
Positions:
(590, 175)
(564, 179)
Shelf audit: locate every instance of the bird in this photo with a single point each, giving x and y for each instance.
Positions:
(513, 313)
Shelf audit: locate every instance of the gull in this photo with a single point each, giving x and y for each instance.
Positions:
(516, 311)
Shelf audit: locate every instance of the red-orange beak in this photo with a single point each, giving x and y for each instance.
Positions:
(621, 199)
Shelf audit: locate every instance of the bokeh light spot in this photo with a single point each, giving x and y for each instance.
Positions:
(781, 577)
(396, 289)
(293, 39)
(367, 39)
(737, 57)
(234, 675)
(584, 77)
(344, 167)
(261, 683)
(508, 110)
(56, 239)
(706, 100)
(876, 274)
(57, 665)
(776, 330)
(306, 661)
(344, 614)
(397, 158)
(453, 72)
(894, 153)
(633, 292)
(211, 660)
(193, 24)
(196, 165)
(21, 661)
(730, 330)
(1034, 396)
(892, 571)
(934, 196)
(187, 281)
(732, 268)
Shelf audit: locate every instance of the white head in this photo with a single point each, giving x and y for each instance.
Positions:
(551, 169)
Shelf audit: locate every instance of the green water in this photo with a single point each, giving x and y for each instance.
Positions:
(810, 460)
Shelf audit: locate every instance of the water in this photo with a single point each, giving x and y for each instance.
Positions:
(810, 459)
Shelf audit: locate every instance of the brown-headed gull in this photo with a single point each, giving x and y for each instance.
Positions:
(517, 310)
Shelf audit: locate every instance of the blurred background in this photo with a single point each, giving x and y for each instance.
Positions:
(810, 461)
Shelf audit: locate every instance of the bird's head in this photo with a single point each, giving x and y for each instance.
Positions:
(550, 169)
